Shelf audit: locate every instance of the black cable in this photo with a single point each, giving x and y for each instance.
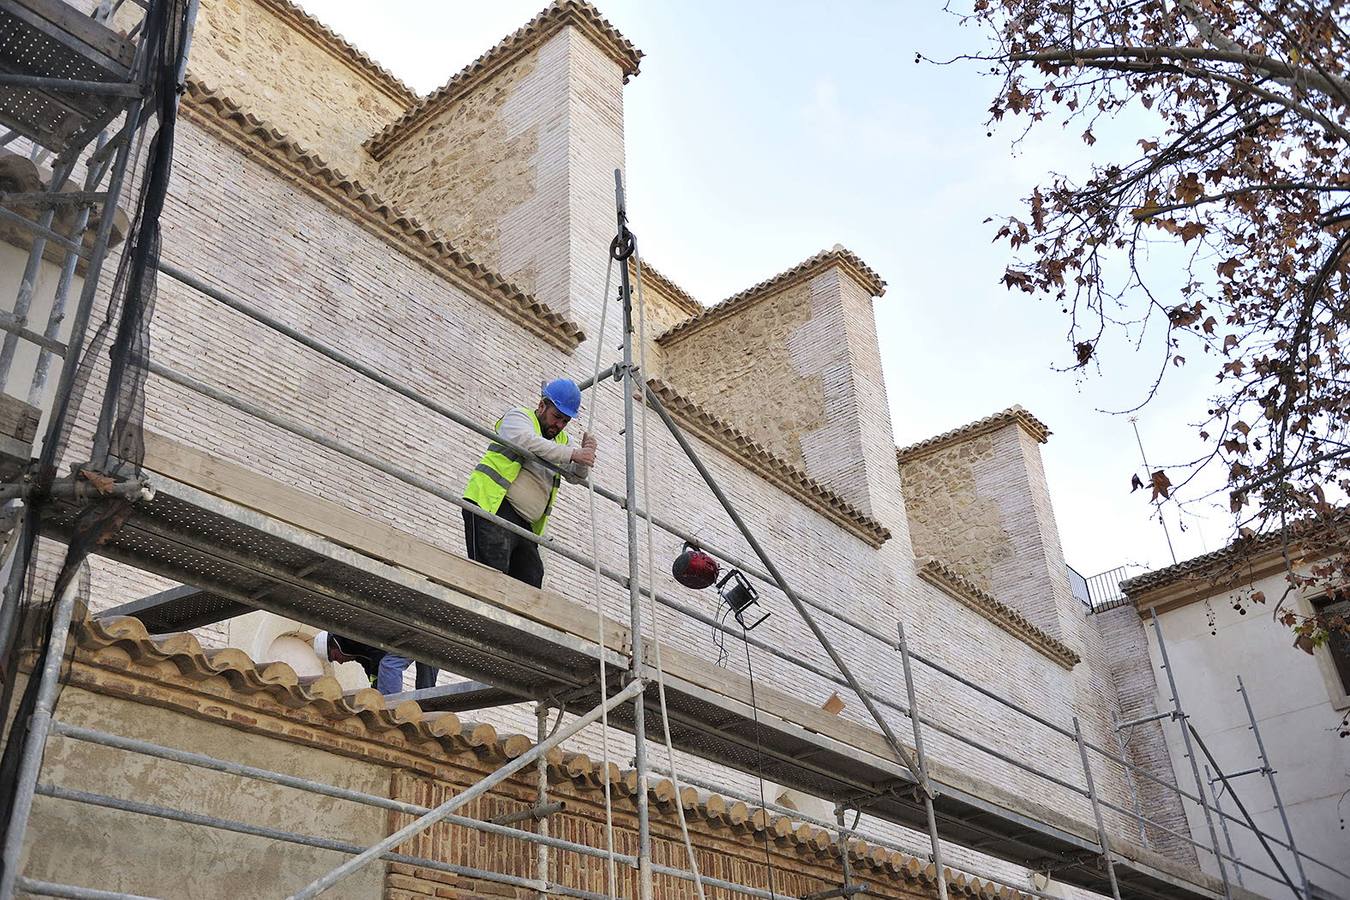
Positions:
(720, 636)
(759, 763)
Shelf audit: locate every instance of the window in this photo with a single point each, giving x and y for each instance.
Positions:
(1338, 644)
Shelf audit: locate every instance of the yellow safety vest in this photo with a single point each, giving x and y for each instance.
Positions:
(499, 468)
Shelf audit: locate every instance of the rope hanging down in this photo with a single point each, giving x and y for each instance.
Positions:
(651, 575)
(610, 868)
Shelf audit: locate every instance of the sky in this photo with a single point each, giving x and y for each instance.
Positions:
(758, 133)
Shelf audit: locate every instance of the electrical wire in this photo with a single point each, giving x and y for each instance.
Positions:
(759, 759)
(720, 636)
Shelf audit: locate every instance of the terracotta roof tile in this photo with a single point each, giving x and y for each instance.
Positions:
(216, 110)
(554, 18)
(838, 255)
(306, 23)
(686, 301)
(986, 604)
(1214, 566)
(140, 650)
(1012, 415)
(769, 464)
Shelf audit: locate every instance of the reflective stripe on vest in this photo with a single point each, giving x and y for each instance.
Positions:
(499, 468)
(494, 475)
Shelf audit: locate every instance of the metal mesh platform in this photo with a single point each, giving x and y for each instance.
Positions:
(463, 697)
(239, 556)
(243, 557)
(51, 39)
(180, 609)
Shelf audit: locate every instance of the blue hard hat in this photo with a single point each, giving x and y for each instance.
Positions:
(565, 395)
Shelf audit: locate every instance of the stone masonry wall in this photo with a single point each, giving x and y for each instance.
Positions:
(949, 518)
(743, 370)
(147, 856)
(473, 163)
(299, 84)
(519, 171)
(799, 371)
(981, 505)
(335, 743)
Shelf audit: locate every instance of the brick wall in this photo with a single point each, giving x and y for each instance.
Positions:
(1125, 647)
(268, 240)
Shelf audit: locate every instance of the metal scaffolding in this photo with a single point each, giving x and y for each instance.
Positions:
(93, 114)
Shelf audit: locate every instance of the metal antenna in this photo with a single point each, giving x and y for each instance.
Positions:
(1134, 423)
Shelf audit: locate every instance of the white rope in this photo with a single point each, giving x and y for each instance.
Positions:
(651, 583)
(611, 868)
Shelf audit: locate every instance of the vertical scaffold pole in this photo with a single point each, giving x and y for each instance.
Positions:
(1129, 780)
(623, 248)
(1274, 790)
(35, 742)
(57, 314)
(1179, 715)
(541, 796)
(800, 605)
(1217, 793)
(31, 270)
(922, 759)
(845, 863)
(1102, 839)
(70, 363)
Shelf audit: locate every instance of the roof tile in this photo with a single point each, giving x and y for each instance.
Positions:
(185, 654)
(838, 255)
(1012, 415)
(554, 18)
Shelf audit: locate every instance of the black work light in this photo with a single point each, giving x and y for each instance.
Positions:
(735, 589)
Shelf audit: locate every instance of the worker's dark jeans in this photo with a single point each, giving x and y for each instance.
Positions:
(492, 545)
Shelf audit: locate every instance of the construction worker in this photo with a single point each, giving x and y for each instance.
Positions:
(529, 489)
(336, 648)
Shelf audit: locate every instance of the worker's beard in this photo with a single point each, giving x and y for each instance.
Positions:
(550, 432)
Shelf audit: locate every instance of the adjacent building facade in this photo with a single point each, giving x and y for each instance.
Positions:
(1260, 706)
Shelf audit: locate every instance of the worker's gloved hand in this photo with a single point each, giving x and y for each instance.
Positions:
(585, 454)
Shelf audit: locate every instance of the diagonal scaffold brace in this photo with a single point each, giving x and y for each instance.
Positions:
(903, 755)
(417, 826)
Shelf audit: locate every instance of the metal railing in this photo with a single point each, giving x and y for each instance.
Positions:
(1104, 591)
